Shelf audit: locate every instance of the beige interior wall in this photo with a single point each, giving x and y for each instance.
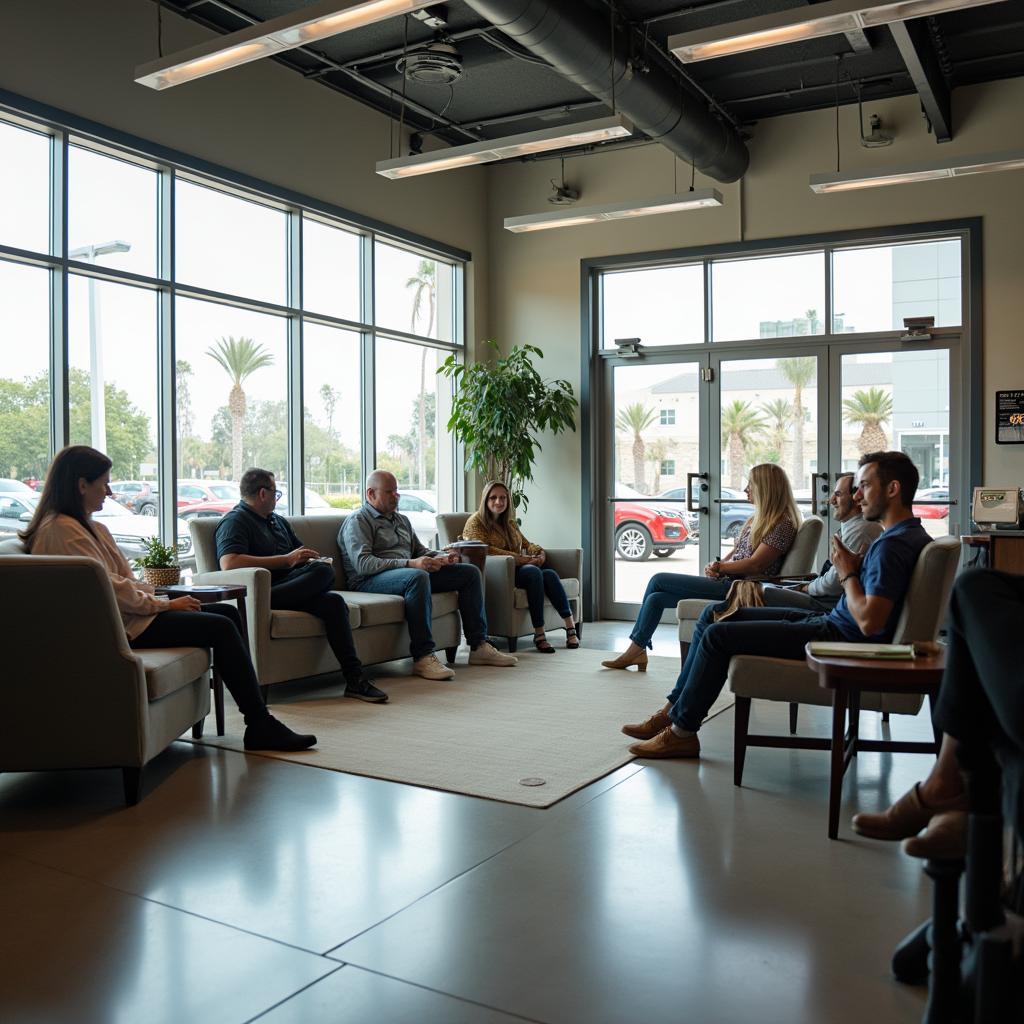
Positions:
(535, 278)
(260, 119)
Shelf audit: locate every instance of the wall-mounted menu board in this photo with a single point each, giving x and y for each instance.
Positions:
(1010, 417)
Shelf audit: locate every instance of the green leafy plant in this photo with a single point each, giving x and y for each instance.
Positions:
(157, 556)
(498, 410)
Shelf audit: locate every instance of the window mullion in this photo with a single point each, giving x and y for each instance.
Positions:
(60, 424)
(296, 468)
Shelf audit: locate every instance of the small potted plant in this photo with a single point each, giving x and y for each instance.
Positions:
(159, 564)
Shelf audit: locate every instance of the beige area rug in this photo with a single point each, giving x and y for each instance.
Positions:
(553, 721)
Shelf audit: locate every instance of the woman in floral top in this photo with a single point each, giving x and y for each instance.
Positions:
(763, 543)
(493, 525)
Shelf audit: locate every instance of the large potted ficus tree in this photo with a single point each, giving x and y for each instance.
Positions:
(499, 408)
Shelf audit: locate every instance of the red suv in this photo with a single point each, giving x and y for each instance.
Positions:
(643, 528)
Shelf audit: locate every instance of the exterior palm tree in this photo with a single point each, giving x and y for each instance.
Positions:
(871, 409)
(657, 452)
(424, 293)
(780, 419)
(635, 419)
(799, 371)
(741, 426)
(240, 358)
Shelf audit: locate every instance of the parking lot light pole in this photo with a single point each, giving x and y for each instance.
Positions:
(98, 410)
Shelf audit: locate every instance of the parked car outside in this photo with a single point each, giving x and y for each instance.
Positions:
(932, 511)
(315, 506)
(8, 486)
(643, 529)
(140, 496)
(735, 510)
(421, 509)
(128, 529)
(191, 492)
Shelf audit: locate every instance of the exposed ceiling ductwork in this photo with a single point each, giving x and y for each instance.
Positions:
(576, 41)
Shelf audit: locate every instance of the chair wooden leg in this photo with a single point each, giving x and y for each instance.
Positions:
(684, 649)
(513, 643)
(838, 760)
(265, 693)
(131, 778)
(885, 716)
(579, 630)
(739, 751)
(449, 654)
(854, 731)
(794, 710)
(936, 731)
(218, 699)
(197, 729)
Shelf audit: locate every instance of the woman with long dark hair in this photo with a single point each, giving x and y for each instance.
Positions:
(493, 525)
(76, 487)
(763, 542)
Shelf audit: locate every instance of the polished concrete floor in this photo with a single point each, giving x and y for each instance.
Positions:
(243, 888)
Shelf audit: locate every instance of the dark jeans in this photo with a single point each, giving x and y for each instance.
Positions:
(537, 582)
(665, 590)
(982, 693)
(219, 628)
(416, 586)
(768, 632)
(307, 588)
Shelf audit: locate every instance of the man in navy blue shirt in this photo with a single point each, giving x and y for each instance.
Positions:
(874, 584)
(253, 536)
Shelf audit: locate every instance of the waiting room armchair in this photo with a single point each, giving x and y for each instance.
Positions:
(799, 562)
(75, 695)
(508, 612)
(792, 682)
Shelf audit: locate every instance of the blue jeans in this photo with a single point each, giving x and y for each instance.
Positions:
(537, 582)
(416, 586)
(768, 632)
(666, 590)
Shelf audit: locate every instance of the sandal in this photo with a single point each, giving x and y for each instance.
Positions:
(572, 641)
(542, 644)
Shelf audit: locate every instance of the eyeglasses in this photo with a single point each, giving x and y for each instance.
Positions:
(277, 494)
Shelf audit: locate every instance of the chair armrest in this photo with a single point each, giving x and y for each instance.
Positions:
(257, 604)
(691, 607)
(567, 562)
(791, 578)
(500, 575)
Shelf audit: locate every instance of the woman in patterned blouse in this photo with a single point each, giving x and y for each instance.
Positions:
(765, 539)
(493, 524)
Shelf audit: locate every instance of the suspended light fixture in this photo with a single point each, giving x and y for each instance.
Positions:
(850, 181)
(805, 22)
(306, 25)
(697, 200)
(586, 133)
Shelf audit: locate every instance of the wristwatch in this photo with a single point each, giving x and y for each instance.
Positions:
(849, 575)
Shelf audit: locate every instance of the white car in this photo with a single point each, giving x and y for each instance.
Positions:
(421, 509)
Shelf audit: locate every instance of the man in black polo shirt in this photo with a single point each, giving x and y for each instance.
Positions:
(253, 536)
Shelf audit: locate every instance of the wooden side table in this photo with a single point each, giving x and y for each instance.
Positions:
(211, 594)
(846, 678)
(1004, 549)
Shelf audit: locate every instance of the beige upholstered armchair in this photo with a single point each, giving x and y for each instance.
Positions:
(798, 562)
(288, 645)
(75, 695)
(792, 682)
(508, 612)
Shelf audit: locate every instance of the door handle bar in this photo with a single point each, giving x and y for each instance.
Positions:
(703, 478)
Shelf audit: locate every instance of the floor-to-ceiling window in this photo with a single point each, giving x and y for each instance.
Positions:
(290, 337)
(704, 365)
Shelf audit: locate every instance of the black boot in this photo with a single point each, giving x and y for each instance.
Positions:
(267, 733)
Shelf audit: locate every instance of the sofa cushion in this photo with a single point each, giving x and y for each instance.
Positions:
(379, 609)
(170, 668)
(519, 601)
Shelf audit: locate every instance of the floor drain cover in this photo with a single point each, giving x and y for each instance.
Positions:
(532, 782)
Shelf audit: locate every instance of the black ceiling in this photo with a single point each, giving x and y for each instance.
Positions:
(505, 90)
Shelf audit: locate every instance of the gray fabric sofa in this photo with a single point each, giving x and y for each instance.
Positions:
(75, 695)
(288, 645)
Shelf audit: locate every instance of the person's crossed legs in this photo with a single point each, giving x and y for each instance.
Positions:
(767, 632)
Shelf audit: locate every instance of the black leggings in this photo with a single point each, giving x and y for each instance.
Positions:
(220, 631)
(307, 588)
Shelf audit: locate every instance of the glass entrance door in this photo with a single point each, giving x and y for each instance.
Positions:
(652, 518)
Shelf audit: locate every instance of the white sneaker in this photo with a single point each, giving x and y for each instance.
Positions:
(486, 654)
(430, 668)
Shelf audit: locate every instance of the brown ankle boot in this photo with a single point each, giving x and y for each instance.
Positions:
(647, 730)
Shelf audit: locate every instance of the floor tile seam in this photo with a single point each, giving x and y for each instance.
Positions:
(473, 867)
(291, 996)
(442, 992)
(170, 906)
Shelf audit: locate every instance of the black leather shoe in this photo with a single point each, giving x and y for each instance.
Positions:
(270, 734)
(363, 689)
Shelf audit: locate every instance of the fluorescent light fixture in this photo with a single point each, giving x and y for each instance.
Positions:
(676, 203)
(583, 134)
(805, 22)
(824, 184)
(306, 25)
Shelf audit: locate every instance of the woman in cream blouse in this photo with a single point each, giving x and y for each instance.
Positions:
(76, 487)
(493, 525)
